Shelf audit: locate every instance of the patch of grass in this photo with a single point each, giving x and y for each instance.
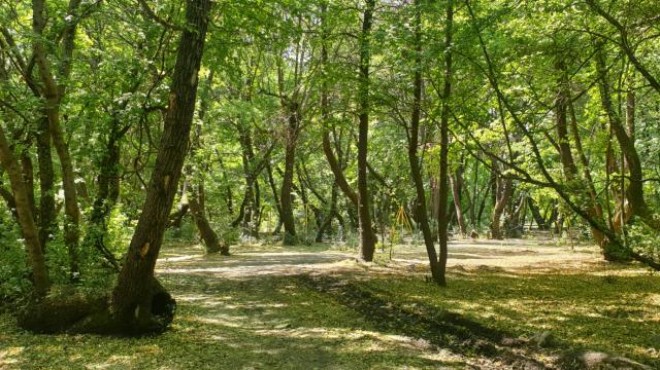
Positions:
(248, 312)
(260, 323)
(617, 314)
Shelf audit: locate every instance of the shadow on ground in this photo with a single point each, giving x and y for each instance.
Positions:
(295, 310)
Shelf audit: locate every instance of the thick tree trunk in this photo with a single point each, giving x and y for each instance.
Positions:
(27, 167)
(561, 114)
(132, 301)
(367, 236)
(25, 217)
(514, 218)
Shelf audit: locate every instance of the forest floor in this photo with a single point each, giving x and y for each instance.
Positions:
(527, 304)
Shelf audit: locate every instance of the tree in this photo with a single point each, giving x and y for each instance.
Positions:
(133, 296)
(25, 217)
(367, 235)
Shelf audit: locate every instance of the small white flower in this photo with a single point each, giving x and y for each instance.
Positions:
(68, 18)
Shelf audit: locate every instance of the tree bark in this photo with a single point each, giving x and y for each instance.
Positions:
(25, 217)
(46, 183)
(53, 94)
(212, 243)
(420, 209)
(340, 179)
(276, 197)
(503, 193)
(367, 236)
(456, 182)
(635, 191)
(131, 298)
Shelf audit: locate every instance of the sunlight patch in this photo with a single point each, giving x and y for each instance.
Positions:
(113, 362)
(7, 355)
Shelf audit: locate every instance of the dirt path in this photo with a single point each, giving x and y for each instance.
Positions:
(516, 255)
(267, 307)
(279, 296)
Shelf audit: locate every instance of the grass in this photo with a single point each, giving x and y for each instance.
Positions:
(319, 309)
(610, 313)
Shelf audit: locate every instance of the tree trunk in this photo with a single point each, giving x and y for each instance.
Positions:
(438, 269)
(249, 208)
(503, 195)
(107, 194)
(332, 211)
(286, 196)
(132, 301)
(46, 183)
(208, 235)
(229, 196)
(536, 214)
(367, 236)
(25, 217)
(635, 191)
(27, 167)
(276, 197)
(456, 182)
(53, 95)
(420, 210)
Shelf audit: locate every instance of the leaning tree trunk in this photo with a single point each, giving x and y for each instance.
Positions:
(197, 198)
(212, 242)
(132, 298)
(420, 209)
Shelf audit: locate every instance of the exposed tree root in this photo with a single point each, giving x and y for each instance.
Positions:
(92, 314)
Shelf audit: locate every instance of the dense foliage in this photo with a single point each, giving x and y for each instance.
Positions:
(321, 120)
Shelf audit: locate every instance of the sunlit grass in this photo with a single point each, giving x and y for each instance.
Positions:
(251, 311)
(616, 312)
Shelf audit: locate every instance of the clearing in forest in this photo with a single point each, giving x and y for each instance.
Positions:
(512, 304)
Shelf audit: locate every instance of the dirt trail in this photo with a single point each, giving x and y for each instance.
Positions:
(250, 261)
